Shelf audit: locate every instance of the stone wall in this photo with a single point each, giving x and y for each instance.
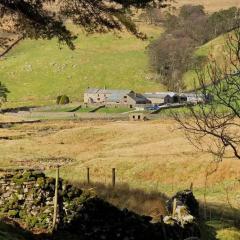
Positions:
(29, 196)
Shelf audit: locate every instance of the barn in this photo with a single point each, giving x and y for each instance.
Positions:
(159, 98)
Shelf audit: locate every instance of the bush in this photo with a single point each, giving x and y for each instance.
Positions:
(62, 100)
(58, 99)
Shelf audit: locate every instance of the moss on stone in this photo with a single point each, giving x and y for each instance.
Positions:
(13, 213)
(41, 182)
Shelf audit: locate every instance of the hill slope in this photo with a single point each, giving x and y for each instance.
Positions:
(210, 5)
(37, 71)
(215, 48)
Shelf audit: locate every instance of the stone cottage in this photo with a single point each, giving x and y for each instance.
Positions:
(113, 97)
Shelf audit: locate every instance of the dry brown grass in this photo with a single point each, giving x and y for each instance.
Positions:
(148, 155)
(211, 5)
(150, 204)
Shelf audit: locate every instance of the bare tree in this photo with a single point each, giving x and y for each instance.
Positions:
(215, 126)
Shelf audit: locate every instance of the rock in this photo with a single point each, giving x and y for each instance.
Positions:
(187, 199)
(20, 196)
(6, 194)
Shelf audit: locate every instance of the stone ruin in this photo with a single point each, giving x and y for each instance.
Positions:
(28, 197)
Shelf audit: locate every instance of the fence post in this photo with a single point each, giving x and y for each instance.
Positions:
(174, 206)
(191, 186)
(88, 175)
(113, 177)
(56, 199)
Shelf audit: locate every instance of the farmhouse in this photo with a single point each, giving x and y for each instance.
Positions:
(113, 97)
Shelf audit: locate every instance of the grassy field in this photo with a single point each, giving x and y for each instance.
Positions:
(152, 156)
(214, 49)
(210, 5)
(39, 71)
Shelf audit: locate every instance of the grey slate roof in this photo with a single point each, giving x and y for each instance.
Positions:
(115, 97)
(160, 95)
(139, 98)
(108, 91)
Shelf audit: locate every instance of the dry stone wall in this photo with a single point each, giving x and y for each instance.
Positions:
(29, 196)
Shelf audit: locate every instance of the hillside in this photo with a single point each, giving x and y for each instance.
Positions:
(210, 5)
(37, 71)
(215, 48)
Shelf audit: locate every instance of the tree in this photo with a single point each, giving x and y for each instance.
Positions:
(34, 18)
(169, 57)
(219, 120)
(173, 53)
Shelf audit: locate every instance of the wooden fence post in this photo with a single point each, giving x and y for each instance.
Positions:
(88, 175)
(191, 186)
(174, 206)
(113, 177)
(56, 199)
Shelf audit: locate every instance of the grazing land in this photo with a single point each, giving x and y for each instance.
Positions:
(36, 72)
(152, 156)
(210, 5)
(214, 50)
(149, 155)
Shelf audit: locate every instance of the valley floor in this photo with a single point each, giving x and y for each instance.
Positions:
(152, 155)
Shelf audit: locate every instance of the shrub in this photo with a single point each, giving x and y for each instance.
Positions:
(62, 100)
(58, 99)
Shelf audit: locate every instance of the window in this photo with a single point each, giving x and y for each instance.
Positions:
(139, 117)
(125, 96)
(98, 99)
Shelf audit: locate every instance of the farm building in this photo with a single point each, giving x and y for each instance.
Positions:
(165, 97)
(137, 117)
(114, 97)
(198, 98)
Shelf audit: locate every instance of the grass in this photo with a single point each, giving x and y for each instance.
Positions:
(114, 110)
(40, 70)
(153, 156)
(215, 49)
(210, 6)
(150, 156)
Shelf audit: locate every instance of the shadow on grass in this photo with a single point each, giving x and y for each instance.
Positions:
(136, 200)
(219, 218)
(17, 109)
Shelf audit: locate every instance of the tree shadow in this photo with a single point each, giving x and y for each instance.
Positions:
(218, 217)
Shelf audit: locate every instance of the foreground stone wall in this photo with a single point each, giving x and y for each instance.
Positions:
(29, 196)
